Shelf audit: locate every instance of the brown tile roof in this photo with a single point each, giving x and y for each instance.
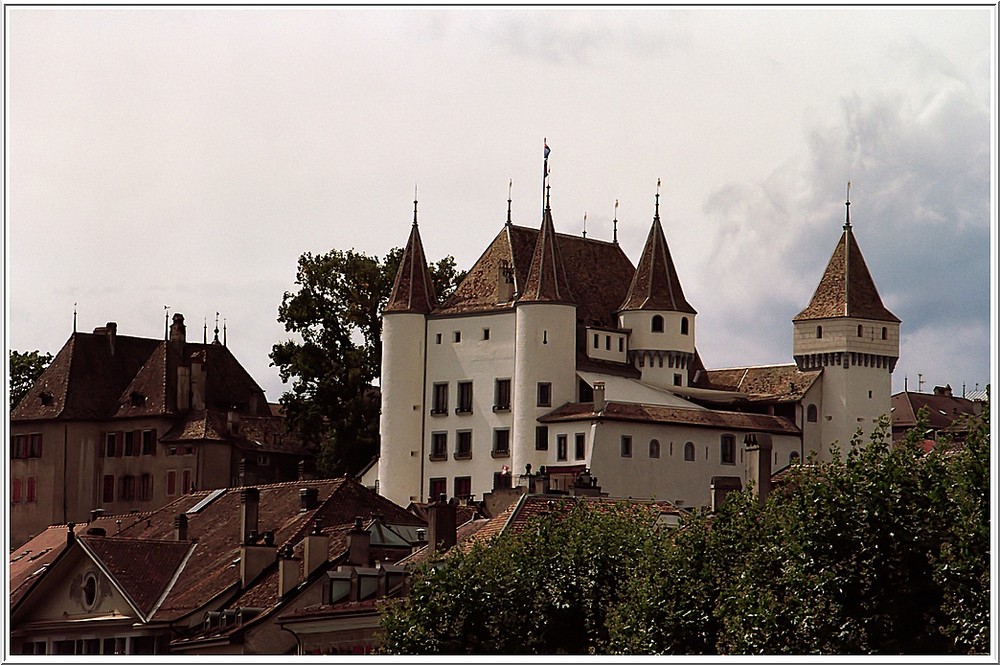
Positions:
(142, 568)
(547, 280)
(943, 411)
(413, 288)
(650, 413)
(846, 288)
(655, 284)
(598, 274)
(28, 560)
(784, 383)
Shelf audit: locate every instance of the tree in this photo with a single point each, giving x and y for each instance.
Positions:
(546, 589)
(25, 368)
(336, 313)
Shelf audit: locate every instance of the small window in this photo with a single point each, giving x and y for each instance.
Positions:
(541, 437)
(486, 333)
(812, 413)
(684, 325)
(463, 487)
(463, 444)
(885, 333)
(597, 341)
(561, 447)
(501, 395)
(654, 449)
(171, 483)
(137, 399)
(437, 338)
(727, 449)
(544, 394)
(656, 324)
(187, 486)
(35, 445)
(439, 446)
(440, 403)
(108, 489)
(149, 442)
(626, 446)
(501, 443)
(794, 457)
(126, 488)
(819, 332)
(457, 336)
(621, 345)
(678, 380)
(30, 490)
(438, 488)
(861, 331)
(15, 490)
(146, 487)
(464, 397)
(607, 342)
(689, 452)
(130, 447)
(111, 444)
(581, 445)
(19, 446)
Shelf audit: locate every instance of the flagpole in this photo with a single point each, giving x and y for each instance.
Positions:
(545, 171)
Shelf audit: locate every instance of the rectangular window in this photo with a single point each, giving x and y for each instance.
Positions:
(607, 342)
(677, 379)
(126, 488)
(149, 442)
(437, 338)
(597, 341)
(30, 490)
(108, 489)
(439, 446)
(581, 445)
(728, 449)
(501, 443)
(626, 446)
(486, 333)
(541, 437)
(35, 444)
(186, 484)
(15, 490)
(544, 394)
(146, 487)
(463, 444)
(621, 345)
(438, 489)
(457, 336)
(171, 483)
(561, 446)
(440, 403)
(111, 447)
(463, 487)
(19, 446)
(130, 447)
(501, 395)
(464, 397)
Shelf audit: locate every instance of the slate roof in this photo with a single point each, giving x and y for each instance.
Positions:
(597, 272)
(651, 413)
(413, 288)
(846, 288)
(655, 285)
(782, 383)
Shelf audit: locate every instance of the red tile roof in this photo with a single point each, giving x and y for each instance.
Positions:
(547, 275)
(761, 383)
(943, 411)
(655, 284)
(846, 288)
(413, 288)
(652, 413)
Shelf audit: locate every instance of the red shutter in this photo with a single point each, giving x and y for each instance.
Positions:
(15, 490)
(30, 495)
(171, 483)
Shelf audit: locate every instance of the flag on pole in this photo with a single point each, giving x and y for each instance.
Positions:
(546, 150)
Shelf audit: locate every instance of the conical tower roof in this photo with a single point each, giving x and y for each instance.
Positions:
(413, 289)
(547, 276)
(846, 288)
(655, 285)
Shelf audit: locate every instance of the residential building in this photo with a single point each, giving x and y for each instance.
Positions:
(120, 423)
(948, 416)
(555, 352)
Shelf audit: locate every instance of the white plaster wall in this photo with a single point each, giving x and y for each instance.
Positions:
(642, 337)
(841, 334)
(601, 350)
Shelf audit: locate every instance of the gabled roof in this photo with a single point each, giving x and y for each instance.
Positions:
(546, 280)
(846, 288)
(655, 285)
(413, 289)
(651, 413)
(782, 383)
(943, 411)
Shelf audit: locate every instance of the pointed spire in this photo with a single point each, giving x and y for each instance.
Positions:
(547, 276)
(846, 288)
(655, 285)
(615, 224)
(166, 322)
(510, 186)
(413, 288)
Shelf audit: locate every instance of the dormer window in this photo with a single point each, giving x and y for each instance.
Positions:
(46, 398)
(684, 325)
(137, 399)
(657, 324)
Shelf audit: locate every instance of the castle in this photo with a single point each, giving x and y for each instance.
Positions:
(557, 356)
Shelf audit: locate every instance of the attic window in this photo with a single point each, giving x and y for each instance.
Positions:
(138, 399)
(45, 398)
(89, 591)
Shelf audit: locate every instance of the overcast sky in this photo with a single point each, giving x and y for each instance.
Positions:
(188, 156)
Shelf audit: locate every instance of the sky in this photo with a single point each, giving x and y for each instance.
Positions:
(185, 157)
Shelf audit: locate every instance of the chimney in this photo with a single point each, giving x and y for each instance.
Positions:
(288, 571)
(112, 329)
(254, 557)
(943, 391)
(181, 527)
(70, 534)
(441, 525)
(722, 486)
(758, 465)
(178, 332)
(315, 549)
(198, 382)
(96, 513)
(249, 510)
(308, 498)
(96, 531)
(599, 400)
(358, 544)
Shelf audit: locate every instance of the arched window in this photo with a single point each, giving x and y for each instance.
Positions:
(684, 325)
(654, 448)
(812, 413)
(689, 452)
(861, 331)
(794, 457)
(657, 323)
(819, 332)
(885, 333)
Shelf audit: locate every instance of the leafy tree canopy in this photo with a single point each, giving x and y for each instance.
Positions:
(25, 368)
(333, 365)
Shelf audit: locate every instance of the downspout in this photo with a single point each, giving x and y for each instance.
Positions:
(423, 416)
(65, 465)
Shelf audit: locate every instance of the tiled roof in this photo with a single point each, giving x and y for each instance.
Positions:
(761, 383)
(546, 280)
(649, 413)
(846, 288)
(942, 411)
(598, 273)
(143, 568)
(413, 289)
(655, 284)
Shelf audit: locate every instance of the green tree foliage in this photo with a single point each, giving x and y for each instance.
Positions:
(544, 590)
(883, 552)
(25, 368)
(333, 365)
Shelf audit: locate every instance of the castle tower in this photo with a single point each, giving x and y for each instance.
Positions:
(544, 349)
(849, 333)
(404, 352)
(661, 344)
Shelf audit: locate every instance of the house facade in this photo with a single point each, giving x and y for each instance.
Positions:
(557, 353)
(119, 423)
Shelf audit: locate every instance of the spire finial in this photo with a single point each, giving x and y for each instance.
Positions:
(74, 317)
(223, 332)
(216, 340)
(847, 224)
(548, 191)
(414, 204)
(585, 224)
(510, 186)
(204, 331)
(615, 223)
(657, 211)
(545, 175)
(166, 322)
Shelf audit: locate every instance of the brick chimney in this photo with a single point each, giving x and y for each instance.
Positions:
(249, 510)
(181, 527)
(758, 465)
(315, 549)
(441, 525)
(358, 544)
